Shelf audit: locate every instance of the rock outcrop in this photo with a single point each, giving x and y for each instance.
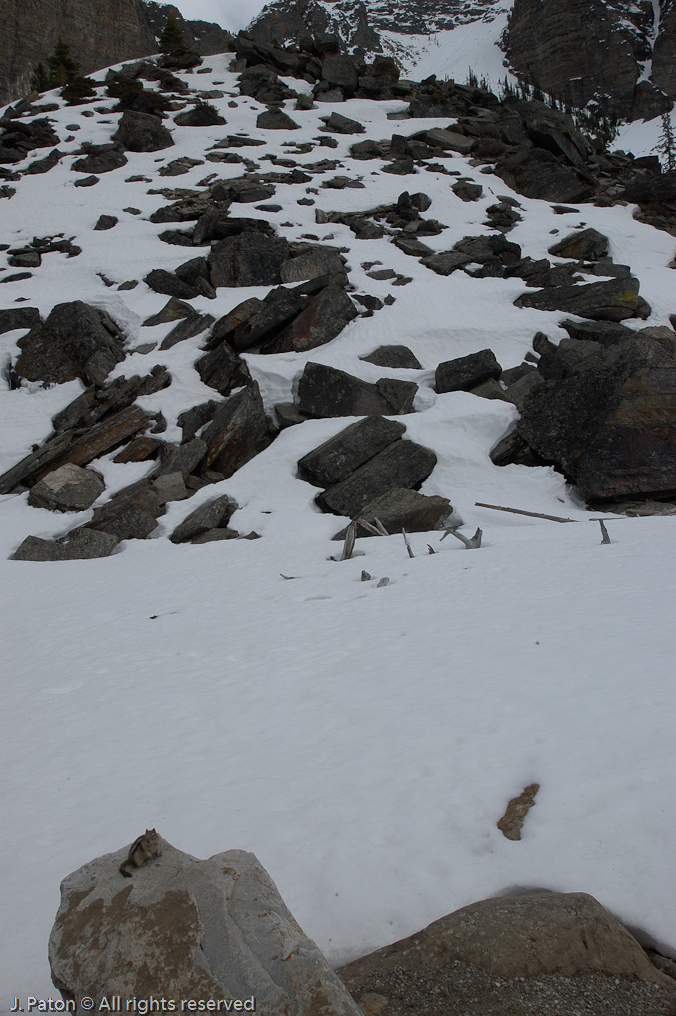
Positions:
(184, 928)
(98, 32)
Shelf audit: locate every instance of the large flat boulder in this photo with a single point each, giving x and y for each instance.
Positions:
(79, 545)
(142, 132)
(466, 372)
(336, 458)
(248, 259)
(67, 489)
(208, 517)
(613, 300)
(402, 508)
(529, 935)
(401, 464)
(76, 341)
(184, 928)
(325, 391)
(322, 319)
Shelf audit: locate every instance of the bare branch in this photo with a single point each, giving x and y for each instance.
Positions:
(604, 533)
(365, 577)
(369, 528)
(470, 544)
(408, 545)
(350, 537)
(519, 511)
(383, 582)
(381, 527)
(431, 549)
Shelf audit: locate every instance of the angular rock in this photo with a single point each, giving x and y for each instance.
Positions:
(537, 933)
(102, 437)
(511, 823)
(608, 333)
(208, 517)
(41, 460)
(312, 264)
(217, 224)
(194, 419)
(216, 535)
(449, 141)
(393, 356)
(238, 432)
(614, 300)
(100, 159)
(214, 929)
(201, 115)
(323, 319)
(466, 372)
(67, 489)
(173, 310)
(276, 120)
(325, 391)
(79, 545)
(162, 281)
(106, 222)
(254, 320)
(336, 458)
(187, 329)
(138, 450)
(222, 369)
(402, 464)
(18, 317)
(76, 340)
(184, 458)
(537, 173)
(131, 515)
(585, 245)
(288, 415)
(249, 259)
(446, 262)
(402, 508)
(170, 487)
(339, 124)
(142, 132)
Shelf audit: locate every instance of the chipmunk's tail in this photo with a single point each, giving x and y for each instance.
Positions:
(127, 874)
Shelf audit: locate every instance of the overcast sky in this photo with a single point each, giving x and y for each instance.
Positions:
(231, 14)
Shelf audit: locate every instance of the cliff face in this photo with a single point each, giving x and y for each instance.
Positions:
(203, 37)
(577, 49)
(99, 33)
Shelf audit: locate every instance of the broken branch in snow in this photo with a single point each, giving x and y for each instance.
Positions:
(431, 549)
(368, 527)
(472, 544)
(604, 533)
(408, 545)
(519, 511)
(350, 537)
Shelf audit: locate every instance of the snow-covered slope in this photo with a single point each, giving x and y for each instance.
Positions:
(362, 740)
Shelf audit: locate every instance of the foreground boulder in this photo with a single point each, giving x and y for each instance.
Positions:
(142, 132)
(537, 933)
(401, 464)
(614, 300)
(336, 458)
(326, 391)
(75, 341)
(238, 431)
(401, 508)
(67, 489)
(183, 928)
(80, 545)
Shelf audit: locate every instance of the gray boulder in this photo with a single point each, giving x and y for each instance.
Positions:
(248, 259)
(238, 431)
(614, 300)
(184, 458)
(323, 318)
(312, 264)
(132, 514)
(339, 124)
(584, 245)
(325, 391)
(201, 115)
(67, 489)
(18, 317)
(222, 369)
(142, 132)
(100, 159)
(79, 545)
(467, 372)
(214, 929)
(207, 518)
(75, 341)
(276, 120)
(449, 141)
(401, 464)
(402, 508)
(393, 356)
(336, 458)
(537, 933)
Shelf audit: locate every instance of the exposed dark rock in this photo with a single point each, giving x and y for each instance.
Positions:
(587, 244)
(213, 515)
(201, 115)
(449, 141)
(288, 415)
(138, 450)
(106, 222)
(132, 514)
(86, 181)
(67, 489)
(537, 173)
(170, 487)
(312, 264)
(467, 191)
(323, 319)
(249, 259)
(324, 391)
(608, 333)
(393, 356)
(339, 124)
(276, 120)
(254, 320)
(446, 262)
(402, 464)
(44, 165)
(194, 419)
(336, 458)
(614, 300)
(466, 372)
(182, 459)
(142, 132)
(216, 224)
(402, 508)
(238, 432)
(75, 341)
(222, 369)
(18, 317)
(186, 329)
(100, 159)
(173, 310)
(80, 545)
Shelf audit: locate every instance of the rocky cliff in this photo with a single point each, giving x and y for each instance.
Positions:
(581, 50)
(98, 32)
(204, 37)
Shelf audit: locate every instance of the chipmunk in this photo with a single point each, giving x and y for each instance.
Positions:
(142, 850)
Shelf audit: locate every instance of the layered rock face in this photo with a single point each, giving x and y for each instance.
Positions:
(99, 32)
(577, 50)
(203, 37)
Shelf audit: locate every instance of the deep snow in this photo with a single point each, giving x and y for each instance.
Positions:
(362, 741)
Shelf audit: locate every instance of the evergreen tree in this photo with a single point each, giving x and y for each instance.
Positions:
(171, 40)
(62, 68)
(666, 146)
(40, 79)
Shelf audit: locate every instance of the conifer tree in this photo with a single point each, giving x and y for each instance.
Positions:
(62, 68)
(40, 79)
(171, 40)
(666, 146)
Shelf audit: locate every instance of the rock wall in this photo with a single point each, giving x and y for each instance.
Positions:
(99, 33)
(203, 37)
(576, 49)
(664, 51)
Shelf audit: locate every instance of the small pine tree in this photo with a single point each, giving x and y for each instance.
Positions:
(62, 68)
(171, 40)
(666, 146)
(40, 79)
(472, 79)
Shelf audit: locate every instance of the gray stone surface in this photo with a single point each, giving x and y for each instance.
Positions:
(336, 458)
(584, 244)
(67, 489)
(322, 319)
(326, 391)
(614, 300)
(248, 259)
(238, 431)
(466, 372)
(204, 929)
(80, 545)
(183, 458)
(393, 356)
(142, 132)
(402, 464)
(402, 508)
(170, 487)
(213, 515)
(521, 936)
(312, 264)
(76, 340)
